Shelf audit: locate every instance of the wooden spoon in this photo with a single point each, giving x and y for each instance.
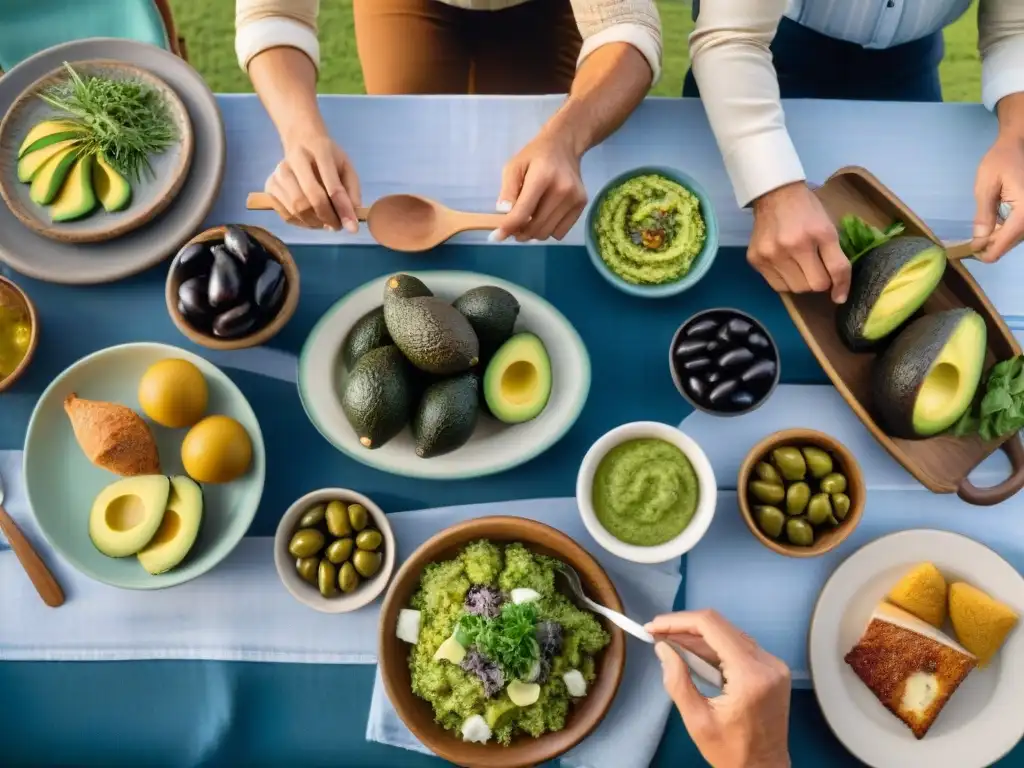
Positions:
(40, 575)
(401, 222)
(963, 249)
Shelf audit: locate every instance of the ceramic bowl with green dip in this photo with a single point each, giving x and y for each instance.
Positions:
(652, 232)
(646, 492)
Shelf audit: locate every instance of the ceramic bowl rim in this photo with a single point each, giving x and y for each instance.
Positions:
(33, 318)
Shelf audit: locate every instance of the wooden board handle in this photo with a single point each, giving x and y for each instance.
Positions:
(986, 497)
(42, 579)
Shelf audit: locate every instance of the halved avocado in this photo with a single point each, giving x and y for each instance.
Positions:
(517, 382)
(179, 529)
(47, 182)
(112, 189)
(76, 198)
(29, 165)
(49, 132)
(127, 514)
(930, 373)
(890, 283)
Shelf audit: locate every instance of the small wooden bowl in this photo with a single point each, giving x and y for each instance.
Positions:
(277, 250)
(12, 295)
(824, 540)
(393, 655)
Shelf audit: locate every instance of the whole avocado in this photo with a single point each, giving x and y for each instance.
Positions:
(492, 311)
(446, 416)
(369, 332)
(432, 334)
(377, 397)
(402, 286)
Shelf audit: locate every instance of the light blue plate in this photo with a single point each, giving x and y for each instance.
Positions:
(61, 482)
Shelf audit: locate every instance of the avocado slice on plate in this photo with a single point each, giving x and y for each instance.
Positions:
(127, 514)
(76, 198)
(517, 382)
(49, 132)
(112, 189)
(927, 378)
(178, 530)
(890, 283)
(29, 165)
(50, 178)
(446, 416)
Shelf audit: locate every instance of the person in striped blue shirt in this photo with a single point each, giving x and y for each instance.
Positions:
(746, 54)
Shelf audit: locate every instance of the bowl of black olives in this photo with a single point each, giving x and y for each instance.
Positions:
(334, 550)
(232, 287)
(801, 492)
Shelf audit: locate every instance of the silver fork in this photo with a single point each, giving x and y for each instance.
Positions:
(705, 670)
(40, 575)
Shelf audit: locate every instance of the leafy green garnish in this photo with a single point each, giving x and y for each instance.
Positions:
(510, 639)
(125, 120)
(857, 237)
(1001, 411)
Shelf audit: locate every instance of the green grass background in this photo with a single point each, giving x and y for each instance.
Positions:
(209, 29)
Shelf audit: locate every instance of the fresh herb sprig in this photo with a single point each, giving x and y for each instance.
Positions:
(125, 120)
(510, 639)
(857, 237)
(1001, 411)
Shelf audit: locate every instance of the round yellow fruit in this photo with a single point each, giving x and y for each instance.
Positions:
(216, 450)
(173, 393)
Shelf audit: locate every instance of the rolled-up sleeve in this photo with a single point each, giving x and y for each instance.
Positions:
(634, 22)
(1001, 44)
(264, 24)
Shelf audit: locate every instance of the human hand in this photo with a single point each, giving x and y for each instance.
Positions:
(795, 246)
(747, 726)
(542, 189)
(1000, 178)
(316, 182)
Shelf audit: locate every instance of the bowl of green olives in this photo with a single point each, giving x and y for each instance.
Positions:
(801, 492)
(334, 550)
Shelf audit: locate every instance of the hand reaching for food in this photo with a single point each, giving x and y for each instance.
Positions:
(747, 725)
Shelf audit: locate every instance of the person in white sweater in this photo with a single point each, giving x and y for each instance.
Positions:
(748, 53)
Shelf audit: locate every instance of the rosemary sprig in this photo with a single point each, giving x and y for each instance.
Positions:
(126, 120)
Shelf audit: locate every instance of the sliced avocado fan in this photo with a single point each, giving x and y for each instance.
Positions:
(112, 189)
(76, 198)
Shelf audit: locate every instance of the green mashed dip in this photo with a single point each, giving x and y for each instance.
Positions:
(645, 492)
(456, 594)
(649, 229)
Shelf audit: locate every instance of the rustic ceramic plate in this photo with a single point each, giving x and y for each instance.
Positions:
(982, 721)
(151, 193)
(494, 447)
(61, 482)
(84, 264)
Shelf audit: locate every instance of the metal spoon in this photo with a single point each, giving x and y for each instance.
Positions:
(704, 669)
(42, 579)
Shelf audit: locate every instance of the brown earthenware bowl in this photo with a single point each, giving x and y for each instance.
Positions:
(278, 251)
(825, 540)
(417, 713)
(13, 296)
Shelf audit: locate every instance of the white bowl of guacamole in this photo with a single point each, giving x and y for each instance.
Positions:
(646, 492)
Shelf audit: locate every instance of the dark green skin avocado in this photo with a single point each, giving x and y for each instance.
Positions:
(403, 286)
(369, 332)
(876, 270)
(447, 415)
(432, 334)
(492, 311)
(900, 372)
(377, 397)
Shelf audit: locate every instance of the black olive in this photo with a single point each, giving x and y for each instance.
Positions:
(734, 357)
(244, 248)
(723, 334)
(697, 363)
(712, 377)
(701, 328)
(696, 387)
(742, 399)
(739, 326)
(758, 340)
(687, 348)
(235, 322)
(719, 393)
(192, 301)
(270, 288)
(712, 346)
(192, 260)
(225, 280)
(759, 370)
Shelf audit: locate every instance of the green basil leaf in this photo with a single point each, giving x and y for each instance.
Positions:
(995, 400)
(1003, 369)
(987, 429)
(967, 425)
(1003, 423)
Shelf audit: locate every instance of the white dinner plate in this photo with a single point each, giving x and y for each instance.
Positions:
(984, 718)
(494, 447)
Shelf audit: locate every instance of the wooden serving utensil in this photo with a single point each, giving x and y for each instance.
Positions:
(40, 575)
(401, 222)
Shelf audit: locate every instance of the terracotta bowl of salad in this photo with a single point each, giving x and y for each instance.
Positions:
(483, 653)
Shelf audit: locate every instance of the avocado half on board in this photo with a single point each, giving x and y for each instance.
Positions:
(890, 283)
(929, 375)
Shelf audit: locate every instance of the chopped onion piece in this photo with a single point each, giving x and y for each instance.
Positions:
(475, 728)
(408, 628)
(574, 683)
(524, 595)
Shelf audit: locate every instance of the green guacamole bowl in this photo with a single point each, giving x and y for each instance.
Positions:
(701, 262)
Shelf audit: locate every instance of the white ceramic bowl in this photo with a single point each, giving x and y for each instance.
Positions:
(307, 593)
(706, 503)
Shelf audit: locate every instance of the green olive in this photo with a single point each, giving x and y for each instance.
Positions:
(790, 463)
(841, 505)
(340, 550)
(369, 540)
(358, 516)
(313, 517)
(348, 579)
(799, 532)
(326, 578)
(767, 472)
(819, 509)
(819, 463)
(797, 496)
(767, 493)
(770, 520)
(833, 483)
(337, 520)
(366, 563)
(306, 543)
(306, 566)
